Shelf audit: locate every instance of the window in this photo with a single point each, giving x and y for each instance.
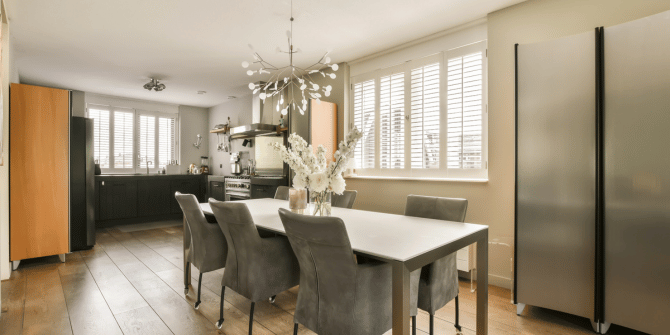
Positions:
(364, 119)
(424, 118)
(101, 123)
(133, 139)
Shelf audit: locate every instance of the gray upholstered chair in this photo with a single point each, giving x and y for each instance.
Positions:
(257, 268)
(436, 284)
(336, 296)
(208, 249)
(344, 200)
(282, 192)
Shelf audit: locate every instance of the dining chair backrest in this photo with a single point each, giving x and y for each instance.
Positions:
(327, 270)
(282, 192)
(448, 209)
(243, 240)
(206, 248)
(344, 200)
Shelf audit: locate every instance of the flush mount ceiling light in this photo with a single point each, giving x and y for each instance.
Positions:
(291, 77)
(154, 85)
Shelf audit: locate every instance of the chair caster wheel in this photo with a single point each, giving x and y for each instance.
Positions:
(197, 305)
(185, 291)
(272, 299)
(219, 324)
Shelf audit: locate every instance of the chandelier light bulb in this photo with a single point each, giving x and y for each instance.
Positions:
(252, 86)
(332, 76)
(334, 67)
(245, 64)
(327, 60)
(250, 73)
(262, 96)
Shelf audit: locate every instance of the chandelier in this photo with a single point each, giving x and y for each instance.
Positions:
(153, 84)
(290, 77)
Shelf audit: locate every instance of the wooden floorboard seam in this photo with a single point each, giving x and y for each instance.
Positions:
(131, 283)
(103, 296)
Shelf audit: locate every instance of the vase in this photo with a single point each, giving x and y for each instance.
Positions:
(320, 203)
(297, 200)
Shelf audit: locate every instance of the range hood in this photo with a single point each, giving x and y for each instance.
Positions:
(261, 122)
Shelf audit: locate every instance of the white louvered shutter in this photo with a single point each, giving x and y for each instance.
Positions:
(100, 136)
(464, 111)
(166, 141)
(425, 117)
(392, 121)
(364, 120)
(123, 140)
(146, 141)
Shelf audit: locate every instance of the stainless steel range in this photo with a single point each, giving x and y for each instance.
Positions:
(238, 188)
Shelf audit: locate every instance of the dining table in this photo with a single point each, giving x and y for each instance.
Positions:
(407, 243)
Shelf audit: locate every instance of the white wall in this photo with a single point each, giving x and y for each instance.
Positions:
(7, 68)
(239, 111)
(193, 121)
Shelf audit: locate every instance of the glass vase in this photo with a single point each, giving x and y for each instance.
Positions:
(320, 203)
(297, 200)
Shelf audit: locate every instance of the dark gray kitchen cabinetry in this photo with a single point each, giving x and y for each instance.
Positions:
(187, 186)
(217, 190)
(118, 199)
(128, 199)
(153, 197)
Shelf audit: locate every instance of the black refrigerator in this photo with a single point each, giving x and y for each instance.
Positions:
(82, 183)
(592, 193)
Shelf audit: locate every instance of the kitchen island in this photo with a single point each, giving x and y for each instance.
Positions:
(134, 198)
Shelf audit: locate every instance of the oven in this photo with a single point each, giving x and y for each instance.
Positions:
(238, 188)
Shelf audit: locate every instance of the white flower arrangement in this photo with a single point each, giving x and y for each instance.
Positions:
(312, 170)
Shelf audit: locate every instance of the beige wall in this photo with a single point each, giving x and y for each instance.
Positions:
(492, 203)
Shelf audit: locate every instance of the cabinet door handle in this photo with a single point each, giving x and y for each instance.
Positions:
(103, 183)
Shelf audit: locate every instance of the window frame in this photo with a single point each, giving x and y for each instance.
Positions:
(443, 172)
(136, 133)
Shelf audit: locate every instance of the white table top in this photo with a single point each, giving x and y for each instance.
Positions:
(389, 236)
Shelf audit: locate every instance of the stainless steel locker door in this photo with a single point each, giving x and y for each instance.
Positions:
(556, 174)
(637, 174)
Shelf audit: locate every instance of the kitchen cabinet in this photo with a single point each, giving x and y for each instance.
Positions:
(118, 199)
(188, 186)
(217, 190)
(153, 197)
(128, 199)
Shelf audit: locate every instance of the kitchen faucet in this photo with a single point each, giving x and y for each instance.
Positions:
(148, 162)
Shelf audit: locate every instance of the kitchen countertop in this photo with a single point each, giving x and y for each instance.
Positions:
(152, 175)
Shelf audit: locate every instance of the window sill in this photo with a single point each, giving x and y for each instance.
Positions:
(459, 180)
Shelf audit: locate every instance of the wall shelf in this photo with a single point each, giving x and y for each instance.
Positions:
(222, 130)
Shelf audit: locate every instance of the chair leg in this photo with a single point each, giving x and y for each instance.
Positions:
(251, 317)
(220, 323)
(432, 321)
(414, 325)
(295, 329)
(187, 273)
(197, 303)
(456, 324)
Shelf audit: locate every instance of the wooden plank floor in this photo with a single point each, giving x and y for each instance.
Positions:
(131, 283)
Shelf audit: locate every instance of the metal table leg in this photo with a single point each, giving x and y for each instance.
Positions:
(483, 283)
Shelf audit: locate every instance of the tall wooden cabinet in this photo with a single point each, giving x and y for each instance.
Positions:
(39, 171)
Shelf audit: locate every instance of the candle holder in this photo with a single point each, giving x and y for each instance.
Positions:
(297, 200)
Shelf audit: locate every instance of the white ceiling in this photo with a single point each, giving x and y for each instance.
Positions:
(114, 47)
